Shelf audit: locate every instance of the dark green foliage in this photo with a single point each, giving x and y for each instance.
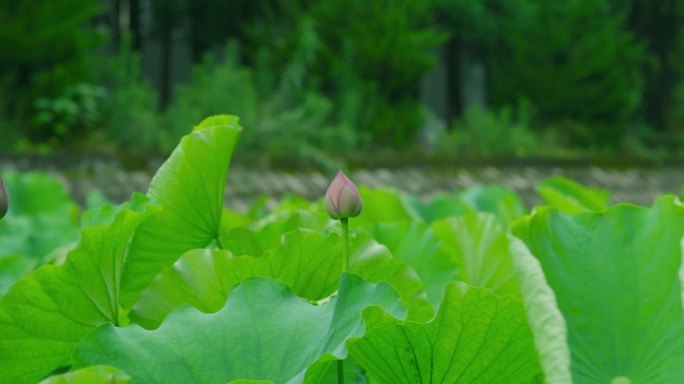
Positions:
(129, 115)
(221, 20)
(215, 86)
(76, 108)
(596, 75)
(474, 28)
(470, 21)
(289, 121)
(47, 47)
(386, 49)
(574, 61)
(368, 57)
(658, 26)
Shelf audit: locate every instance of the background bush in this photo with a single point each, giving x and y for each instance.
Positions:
(368, 58)
(130, 118)
(283, 123)
(320, 80)
(574, 60)
(49, 51)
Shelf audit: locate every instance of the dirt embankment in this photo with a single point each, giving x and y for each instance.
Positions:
(245, 183)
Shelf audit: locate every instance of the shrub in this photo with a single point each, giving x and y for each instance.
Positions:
(484, 132)
(367, 57)
(218, 85)
(48, 47)
(286, 122)
(574, 61)
(130, 111)
(78, 108)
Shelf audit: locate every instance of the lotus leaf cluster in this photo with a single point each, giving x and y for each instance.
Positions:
(173, 286)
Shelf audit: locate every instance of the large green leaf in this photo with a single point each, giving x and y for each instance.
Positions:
(196, 278)
(439, 207)
(309, 262)
(478, 245)
(34, 193)
(37, 235)
(267, 233)
(544, 317)
(246, 241)
(106, 213)
(41, 216)
(383, 205)
(297, 210)
(45, 315)
(190, 188)
(504, 203)
(98, 374)
(41, 219)
(13, 267)
(477, 337)
(353, 373)
(374, 262)
(415, 244)
(616, 279)
(264, 332)
(572, 197)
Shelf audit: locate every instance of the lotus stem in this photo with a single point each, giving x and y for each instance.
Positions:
(345, 239)
(345, 266)
(340, 371)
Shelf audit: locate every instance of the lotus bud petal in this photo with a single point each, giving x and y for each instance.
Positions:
(342, 200)
(4, 199)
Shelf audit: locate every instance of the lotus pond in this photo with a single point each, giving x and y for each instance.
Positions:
(471, 287)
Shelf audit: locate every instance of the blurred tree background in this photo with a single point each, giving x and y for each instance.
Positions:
(319, 80)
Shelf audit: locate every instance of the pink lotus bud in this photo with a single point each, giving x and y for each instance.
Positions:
(4, 199)
(342, 200)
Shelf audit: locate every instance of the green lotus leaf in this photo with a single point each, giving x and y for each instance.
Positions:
(267, 233)
(439, 207)
(544, 317)
(415, 243)
(353, 373)
(35, 193)
(374, 262)
(97, 374)
(46, 314)
(504, 203)
(36, 236)
(41, 216)
(476, 337)
(295, 203)
(231, 219)
(264, 332)
(478, 244)
(95, 198)
(571, 197)
(309, 262)
(313, 218)
(245, 241)
(615, 276)
(13, 267)
(383, 205)
(196, 278)
(106, 213)
(190, 188)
